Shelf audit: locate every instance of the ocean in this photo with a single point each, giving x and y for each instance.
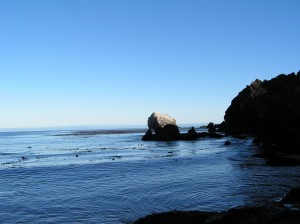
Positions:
(112, 176)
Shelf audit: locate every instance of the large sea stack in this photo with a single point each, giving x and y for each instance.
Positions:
(158, 121)
(162, 127)
(269, 110)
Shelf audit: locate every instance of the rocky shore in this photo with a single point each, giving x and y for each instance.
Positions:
(266, 214)
(287, 211)
(269, 111)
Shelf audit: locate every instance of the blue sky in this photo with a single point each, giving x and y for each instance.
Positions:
(109, 62)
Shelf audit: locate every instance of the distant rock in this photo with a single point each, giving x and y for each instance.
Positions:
(192, 130)
(158, 121)
(215, 127)
(191, 135)
(211, 127)
(270, 111)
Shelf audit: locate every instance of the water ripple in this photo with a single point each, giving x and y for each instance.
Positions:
(117, 178)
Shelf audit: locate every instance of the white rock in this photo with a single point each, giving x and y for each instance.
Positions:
(159, 120)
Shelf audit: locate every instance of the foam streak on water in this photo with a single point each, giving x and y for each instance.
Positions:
(114, 177)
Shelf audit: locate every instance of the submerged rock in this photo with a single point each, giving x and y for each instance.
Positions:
(227, 143)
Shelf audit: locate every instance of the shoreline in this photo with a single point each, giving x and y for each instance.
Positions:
(269, 213)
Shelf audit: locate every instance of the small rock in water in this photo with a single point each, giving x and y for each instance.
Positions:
(192, 130)
(227, 143)
(76, 155)
(211, 127)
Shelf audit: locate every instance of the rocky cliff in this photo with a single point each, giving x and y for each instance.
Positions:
(269, 110)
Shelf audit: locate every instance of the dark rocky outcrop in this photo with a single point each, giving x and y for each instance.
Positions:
(275, 157)
(292, 197)
(211, 127)
(168, 133)
(282, 161)
(176, 217)
(270, 111)
(148, 136)
(274, 213)
(172, 133)
(191, 135)
(215, 127)
(266, 151)
(270, 213)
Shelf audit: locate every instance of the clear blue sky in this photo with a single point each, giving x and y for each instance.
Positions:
(109, 62)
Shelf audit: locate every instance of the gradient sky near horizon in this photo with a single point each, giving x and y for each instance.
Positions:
(114, 62)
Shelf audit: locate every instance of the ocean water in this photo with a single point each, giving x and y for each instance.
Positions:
(111, 176)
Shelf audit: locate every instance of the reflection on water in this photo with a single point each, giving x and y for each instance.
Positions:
(61, 177)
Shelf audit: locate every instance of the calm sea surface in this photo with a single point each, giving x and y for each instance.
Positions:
(114, 177)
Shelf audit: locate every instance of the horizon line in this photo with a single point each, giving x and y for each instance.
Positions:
(74, 127)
